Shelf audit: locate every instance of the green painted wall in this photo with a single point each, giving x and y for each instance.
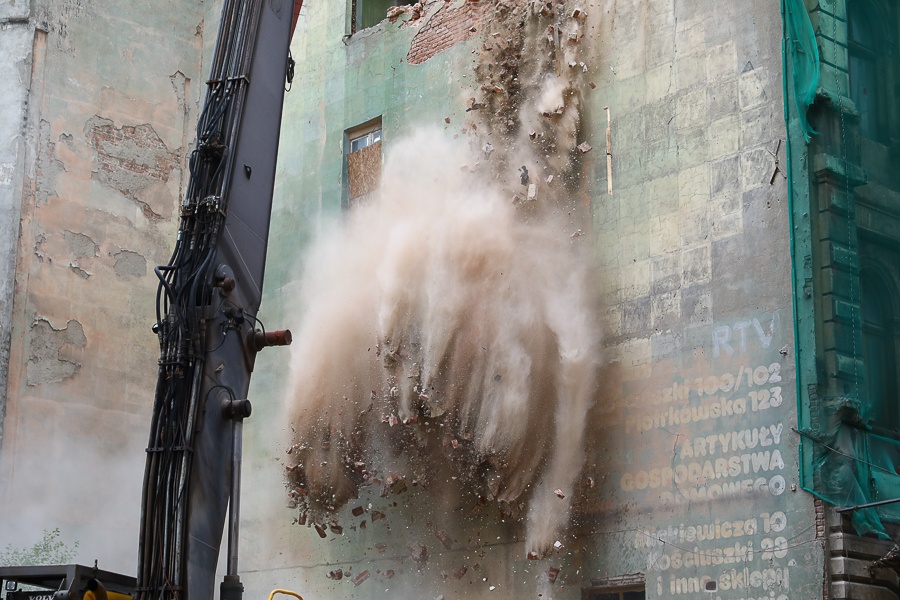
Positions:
(692, 456)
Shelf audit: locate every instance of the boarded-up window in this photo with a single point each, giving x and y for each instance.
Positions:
(364, 165)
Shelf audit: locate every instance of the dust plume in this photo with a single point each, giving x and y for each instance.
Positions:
(441, 324)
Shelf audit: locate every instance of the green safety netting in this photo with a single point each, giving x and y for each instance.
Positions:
(850, 461)
(804, 56)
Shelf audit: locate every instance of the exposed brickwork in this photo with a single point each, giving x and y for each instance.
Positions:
(820, 519)
(130, 159)
(446, 28)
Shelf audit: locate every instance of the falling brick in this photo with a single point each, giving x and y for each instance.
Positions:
(584, 147)
(358, 511)
(558, 492)
(445, 538)
(461, 572)
(361, 577)
(376, 515)
(336, 575)
(320, 530)
(552, 574)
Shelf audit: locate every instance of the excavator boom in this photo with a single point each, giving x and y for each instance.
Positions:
(208, 298)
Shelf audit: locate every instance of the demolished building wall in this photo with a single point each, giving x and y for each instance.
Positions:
(99, 104)
(690, 480)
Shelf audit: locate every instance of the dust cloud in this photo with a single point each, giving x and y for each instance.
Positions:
(442, 323)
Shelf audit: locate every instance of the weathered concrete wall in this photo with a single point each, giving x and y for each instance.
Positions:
(16, 46)
(692, 464)
(98, 107)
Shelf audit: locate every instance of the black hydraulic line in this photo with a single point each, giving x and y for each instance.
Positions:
(869, 505)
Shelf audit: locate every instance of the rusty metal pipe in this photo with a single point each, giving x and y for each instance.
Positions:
(282, 337)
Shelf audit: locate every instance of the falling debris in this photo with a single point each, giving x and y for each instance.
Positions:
(552, 574)
(559, 493)
(335, 575)
(427, 340)
(358, 511)
(444, 538)
(419, 554)
(584, 147)
(361, 577)
(557, 545)
(453, 284)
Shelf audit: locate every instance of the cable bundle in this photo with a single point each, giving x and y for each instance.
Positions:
(184, 296)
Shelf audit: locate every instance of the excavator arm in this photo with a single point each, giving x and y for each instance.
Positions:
(207, 302)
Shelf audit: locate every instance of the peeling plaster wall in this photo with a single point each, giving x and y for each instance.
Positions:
(98, 107)
(694, 257)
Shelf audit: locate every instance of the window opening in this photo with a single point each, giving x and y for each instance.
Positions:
(863, 69)
(629, 593)
(367, 13)
(879, 354)
(363, 161)
(364, 141)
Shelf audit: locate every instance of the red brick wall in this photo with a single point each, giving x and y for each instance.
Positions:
(446, 28)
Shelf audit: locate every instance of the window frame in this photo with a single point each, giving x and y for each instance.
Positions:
(590, 593)
(864, 16)
(365, 129)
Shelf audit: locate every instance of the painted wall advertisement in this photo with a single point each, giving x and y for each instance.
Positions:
(707, 502)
